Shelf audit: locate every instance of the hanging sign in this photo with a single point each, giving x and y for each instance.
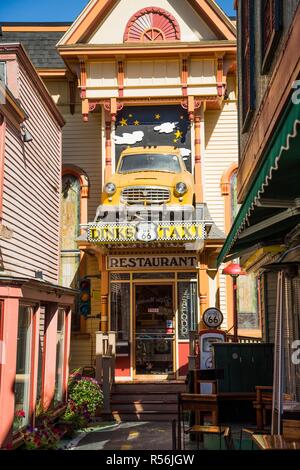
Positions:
(103, 233)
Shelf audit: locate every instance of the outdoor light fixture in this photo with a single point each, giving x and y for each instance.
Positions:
(234, 270)
(27, 137)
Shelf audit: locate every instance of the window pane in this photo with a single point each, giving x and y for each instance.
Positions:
(70, 221)
(247, 302)
(60, 349)
(41, 352)
(187, 308)
(23, 370)
(154, 276)
(3, 72)
(120, 310)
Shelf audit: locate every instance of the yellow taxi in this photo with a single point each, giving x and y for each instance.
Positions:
(150, 176)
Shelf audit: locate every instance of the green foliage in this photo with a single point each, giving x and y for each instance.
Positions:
(85, 397)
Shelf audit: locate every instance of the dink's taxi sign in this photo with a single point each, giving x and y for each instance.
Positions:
(145, 232)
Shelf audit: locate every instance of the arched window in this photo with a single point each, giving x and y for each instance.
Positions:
(152, 24)
(74, 195)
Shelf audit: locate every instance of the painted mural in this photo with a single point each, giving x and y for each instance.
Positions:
(139, 126)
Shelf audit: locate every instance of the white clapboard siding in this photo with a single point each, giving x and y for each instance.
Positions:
(221, 151)
(31, 200)
(82, 147)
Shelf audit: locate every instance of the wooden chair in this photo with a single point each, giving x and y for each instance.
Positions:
(262, 404)
(198, 404)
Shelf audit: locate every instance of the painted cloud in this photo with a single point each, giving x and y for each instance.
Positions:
(166, 127)
(129, 139)
(185, 152)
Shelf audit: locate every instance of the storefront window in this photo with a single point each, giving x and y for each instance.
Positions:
(60, 355)
(120, 310)
(23, 369)
(187, 308)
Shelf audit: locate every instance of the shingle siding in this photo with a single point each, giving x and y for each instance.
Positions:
(41, 47)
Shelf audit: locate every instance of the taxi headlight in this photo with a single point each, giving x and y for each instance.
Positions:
(110, 189)
(181, 189)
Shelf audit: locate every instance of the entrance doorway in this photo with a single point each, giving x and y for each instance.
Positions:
(154, 330)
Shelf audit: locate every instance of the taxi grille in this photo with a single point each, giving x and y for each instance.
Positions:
(145, 194)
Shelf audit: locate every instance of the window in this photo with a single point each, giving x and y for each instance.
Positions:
(271, 28)
(70, 231)
(41, 334)
(247, 300)
(3, 72)
(23, 369)
(248, 62)
(233, 196)
(120, 310)
(60, 356)
(149, 162)
(187, 308)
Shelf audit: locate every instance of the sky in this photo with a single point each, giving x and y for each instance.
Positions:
(58, 10)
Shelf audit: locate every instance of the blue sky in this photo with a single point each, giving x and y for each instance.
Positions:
(57, 10)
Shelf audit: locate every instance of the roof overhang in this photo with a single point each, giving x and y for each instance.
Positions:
(272, 207)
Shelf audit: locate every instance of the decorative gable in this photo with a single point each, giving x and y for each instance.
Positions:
(118, 21)
(152, 24)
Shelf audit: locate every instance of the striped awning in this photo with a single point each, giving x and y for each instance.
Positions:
(277, 180)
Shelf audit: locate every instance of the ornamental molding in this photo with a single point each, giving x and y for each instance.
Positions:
(152, 24)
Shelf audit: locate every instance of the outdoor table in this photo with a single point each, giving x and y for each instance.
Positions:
(276, 442)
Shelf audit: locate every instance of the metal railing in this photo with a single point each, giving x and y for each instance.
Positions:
(105, 365)
(244, 339)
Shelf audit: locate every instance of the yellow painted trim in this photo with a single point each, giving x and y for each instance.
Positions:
(34, 29)
(255, 257)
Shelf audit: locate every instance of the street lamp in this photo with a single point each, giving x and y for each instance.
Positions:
(234, 270)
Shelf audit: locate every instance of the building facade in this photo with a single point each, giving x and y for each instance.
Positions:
(165, 76)
(265, 233)
(35, 312)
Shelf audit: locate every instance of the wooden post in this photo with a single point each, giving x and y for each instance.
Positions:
(198, 161)
(106, 360)
(99, 355)
(50, 355)
(203, 287)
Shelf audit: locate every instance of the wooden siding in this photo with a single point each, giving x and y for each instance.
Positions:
(32, 179)
(221, 150)
(82, 147)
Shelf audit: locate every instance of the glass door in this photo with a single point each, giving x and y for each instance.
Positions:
(154, 330)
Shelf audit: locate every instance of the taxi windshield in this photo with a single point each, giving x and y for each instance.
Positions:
(149, 162)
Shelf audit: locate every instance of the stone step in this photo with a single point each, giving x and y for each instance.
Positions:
(140, 407)
(144, 387)
(153, 396)
(145, 416)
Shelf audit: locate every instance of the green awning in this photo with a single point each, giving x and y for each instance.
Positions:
(278, 178)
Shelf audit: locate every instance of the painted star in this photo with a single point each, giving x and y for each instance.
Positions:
(175, 141)
(181, 117)
(123, 122)
(136, 123)
(157, 116)
(130, 115)
(178, 134)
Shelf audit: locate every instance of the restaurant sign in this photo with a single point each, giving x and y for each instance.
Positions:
(145, 232)
(150, 262)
